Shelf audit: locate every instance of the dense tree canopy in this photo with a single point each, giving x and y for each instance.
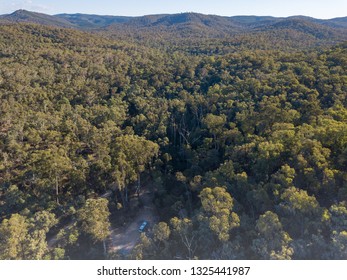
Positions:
(246, 148)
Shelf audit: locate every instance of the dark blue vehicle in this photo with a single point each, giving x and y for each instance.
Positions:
(143, 226)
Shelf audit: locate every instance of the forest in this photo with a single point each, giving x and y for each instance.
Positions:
(239, 143)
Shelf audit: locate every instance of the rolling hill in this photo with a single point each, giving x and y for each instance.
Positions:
(38, 18)
(233, 24)
(295, 31)
(91, 21)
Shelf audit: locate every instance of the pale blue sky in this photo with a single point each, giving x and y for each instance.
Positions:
(314, 8)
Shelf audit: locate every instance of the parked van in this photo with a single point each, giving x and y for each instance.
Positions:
(143, 226)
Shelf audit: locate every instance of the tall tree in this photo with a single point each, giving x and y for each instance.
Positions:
(272, 241)
(131, 154)
(217, 205)
(51, 169)
(13, 236)
(94, 219)
(23, 238)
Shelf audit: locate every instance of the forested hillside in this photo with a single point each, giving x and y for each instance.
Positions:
(244, 145)
(188, 31)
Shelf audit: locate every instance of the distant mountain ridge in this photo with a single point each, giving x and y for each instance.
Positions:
(189, 24)
(96, 21)
(38, 18)
(92, 21)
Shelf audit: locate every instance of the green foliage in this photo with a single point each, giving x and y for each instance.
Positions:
(13, 237)
(161, 231)
(94, 219)
(84, 117)
(23, 238)
(272, 241)
(217, 204)
(185, 235)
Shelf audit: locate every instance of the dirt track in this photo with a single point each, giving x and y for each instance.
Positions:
(125, 238)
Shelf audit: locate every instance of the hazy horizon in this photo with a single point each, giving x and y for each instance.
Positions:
(311, 8)
(211, 14)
